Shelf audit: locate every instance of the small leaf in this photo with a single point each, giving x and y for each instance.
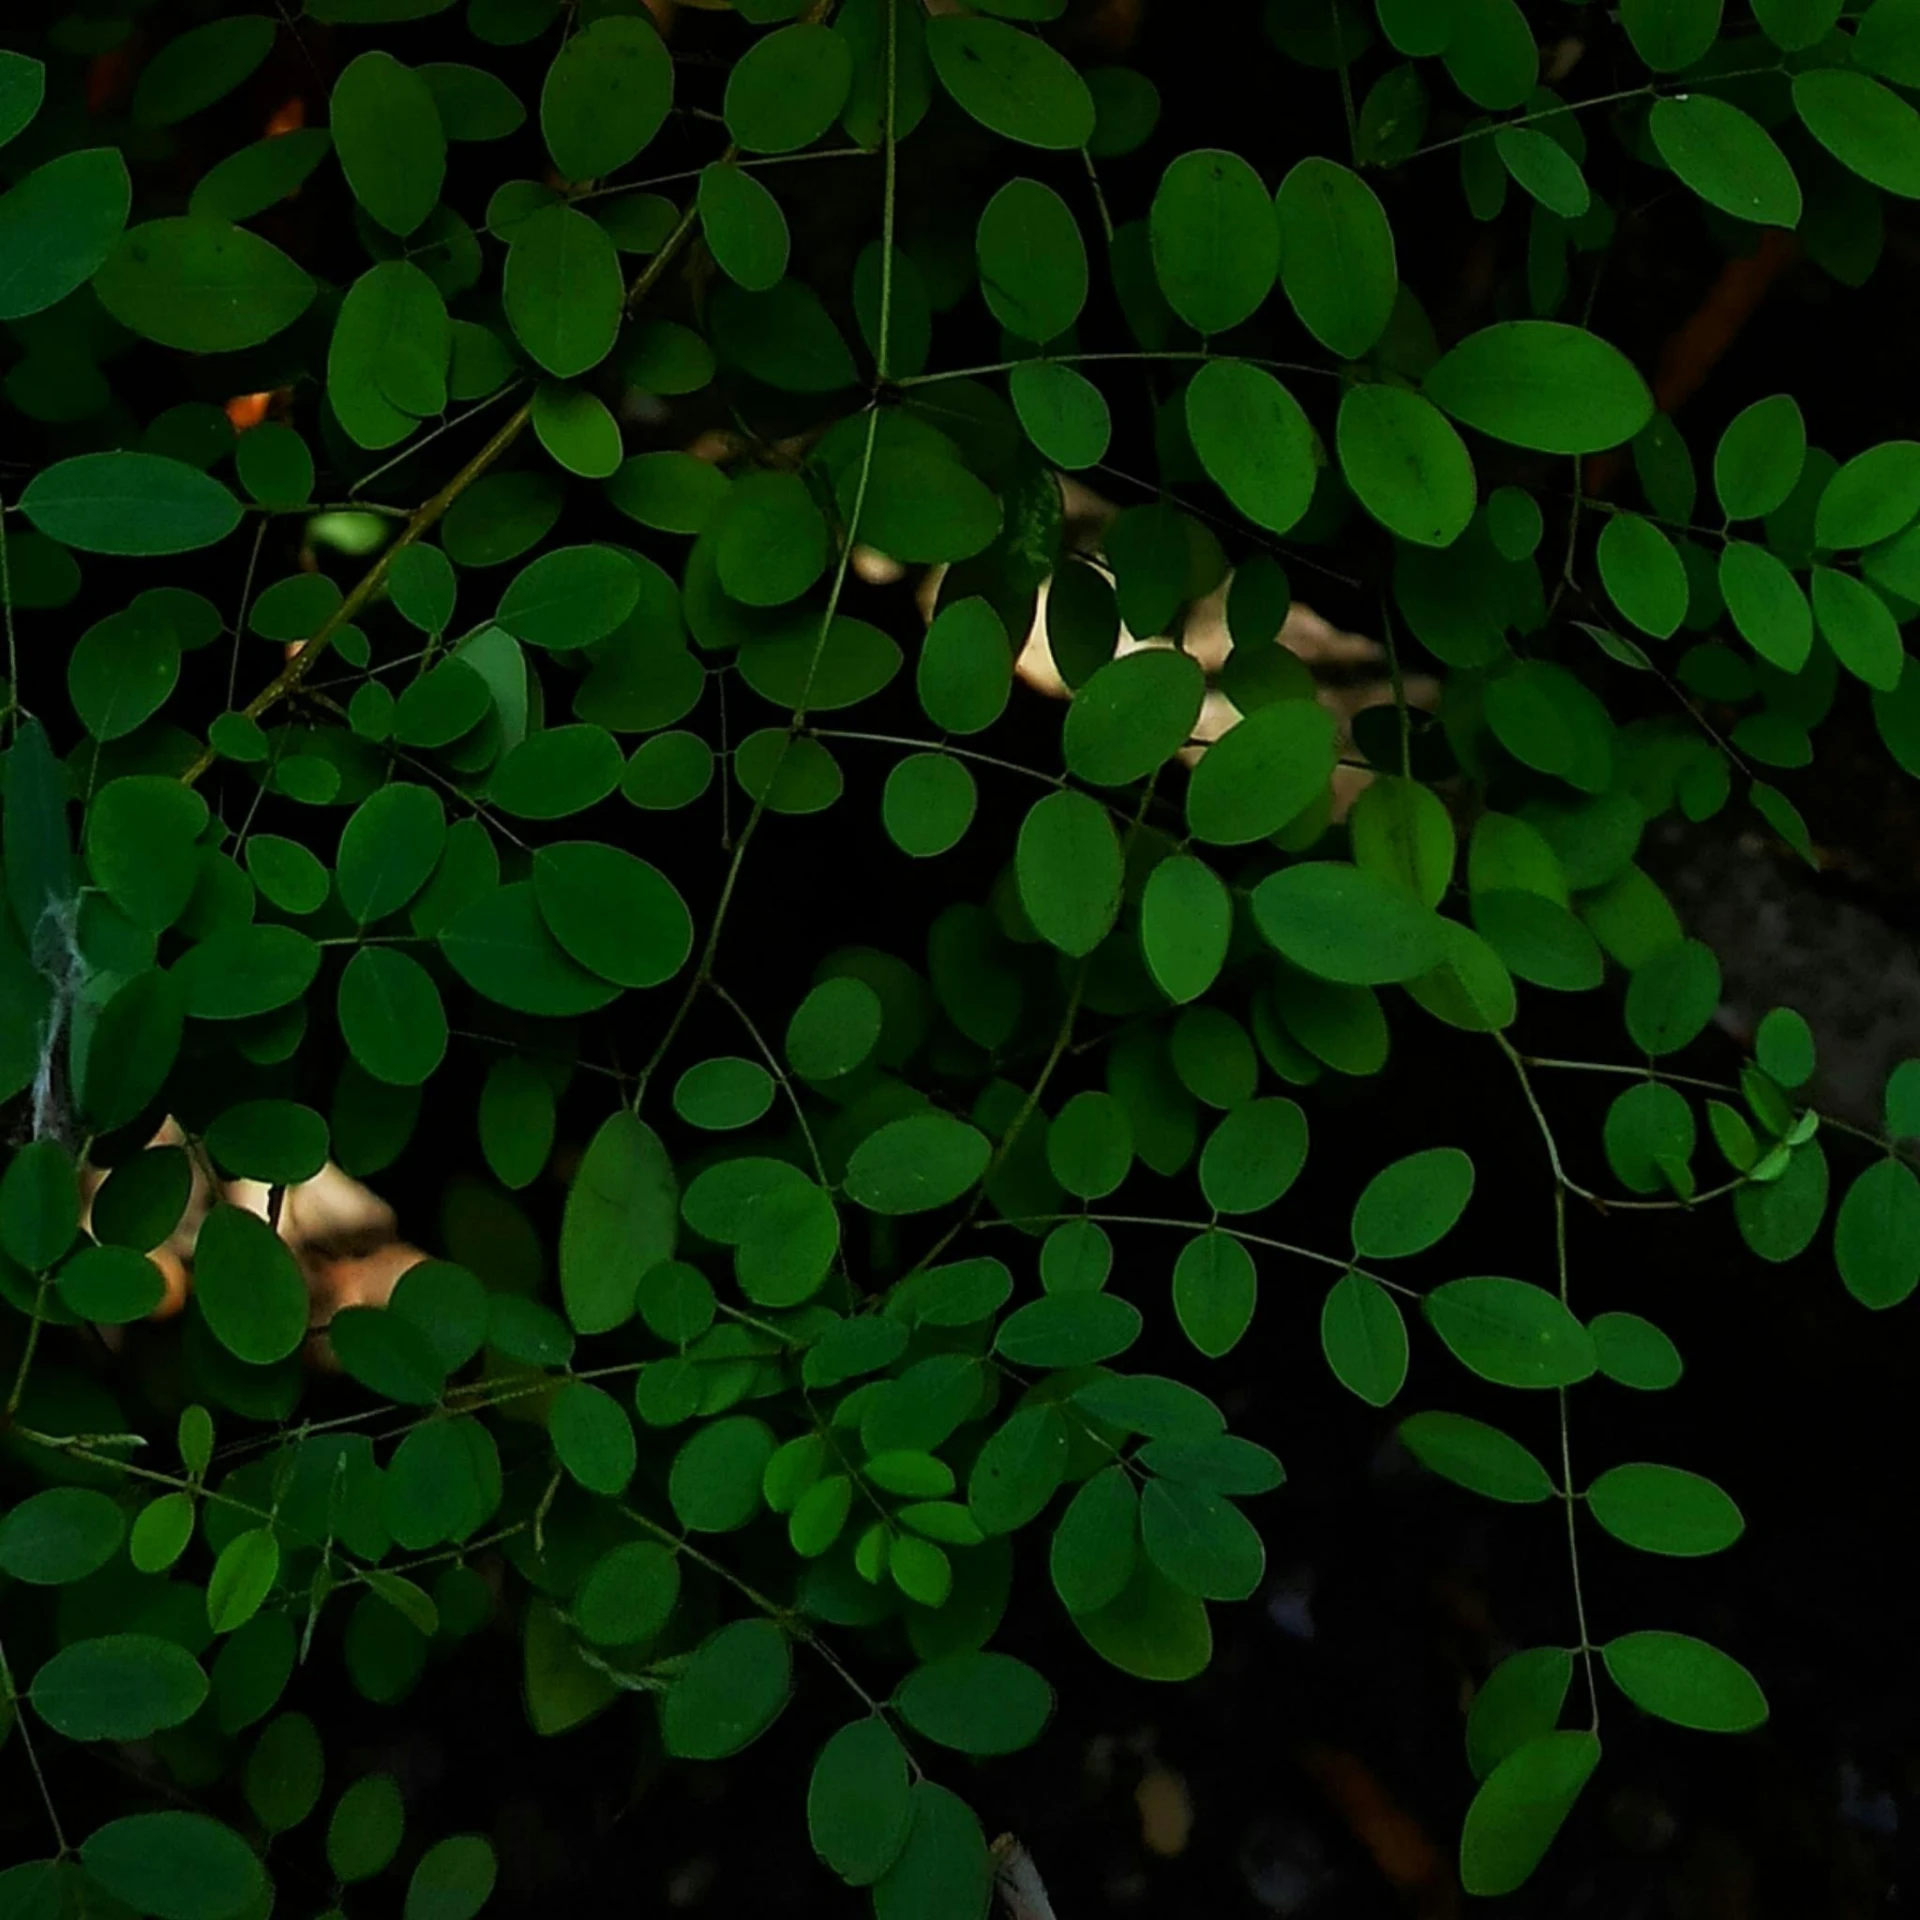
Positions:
(1664, 1510)
(729, 1693)
(1510, 1332)
(1364, 1337)
(1336, 256)
(1215, 240)
(1013, 83)
(1544, 385)
(1686, 1681)
(1476, 1456)
(978, 1703)
(859, 1803)
(1521, 1805)
(606, 95)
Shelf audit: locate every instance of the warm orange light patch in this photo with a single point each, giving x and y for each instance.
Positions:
(246, 410)
(290, 119)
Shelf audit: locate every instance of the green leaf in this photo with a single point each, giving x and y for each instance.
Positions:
(1876, 1235)
(142, 847)
(577, 429)
(1013, 83)
(453, 1880)
(364, 1833)
(175, 1866)
(121, 1686)
(928, 804)
(1405, 464)
(1343, 924)
(1068, 1330)
(1868, 128)
(500, 946)
(629, 1596)
(138, 504)
(1199, 1541)
(617, 915)
(1068, 868)
(1153, 1630)
(593, 1438)
(1643, 573)
(1490, 54)
(1253, 1156)
(1521, 1805)
(386, 130)
(978, 1703)
(246, 970)
(1859, 628)
(388, 850)
(1254, 441)
(57, 225)
(1336, 256)
(1186, 920)
(249, 1288)
(1767, 604)
(1634, 1351)
(59, 1536)
(1033, 261)
(1727, 158)
(1510, 1332)
(284, 1773)
(920, 507)
(1544, 169)
(1672, 997)
(563, 290)
(135, 1043)
(256, 177)
(621, 1219)
(1018, 1470)
(383, 1351)
(744, 227)
(1413, 1204)
(1132, 716)
(277, 1141)
(859, 1803)
(1215, 240)
(242, 1577)
(570, 597)
(1215, 1288)
(1686, 1681)
(1364, 1337)
(1872, 497)
(1519, 1701)
(1475, 1456)
(1063, 413)
(474, 104)
(606, 96)
(1760, 456)
(1262, 773)
(23, 87)
(788, 88)
(945, 1871)
(39, 1205)
(1403, 831)
(201, 284)
(1541, 384)
(1096, 1543)
(391, 1016)
(1664, 1510)
(1784, 1047)
(1798, 24)
(916, 1163)
(112, 1286)
(785, 337)
(729, 1693)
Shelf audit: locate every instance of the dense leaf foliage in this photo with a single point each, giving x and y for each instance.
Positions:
(353, 729)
